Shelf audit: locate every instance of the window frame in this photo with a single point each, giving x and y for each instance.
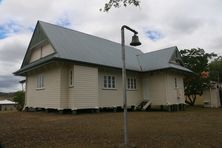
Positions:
(175, 83)
(109, 82)
(71, 77)
(131, 83)
(40, 82)
(41, 52)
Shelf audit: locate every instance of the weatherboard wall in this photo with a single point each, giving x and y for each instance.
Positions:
(64, 87)
(40, 52)
(154, 85)
(159, 87)
(212, 97)
(84, 92)
(88, 90)
(49, 96)
(114, 97)
(175, 92)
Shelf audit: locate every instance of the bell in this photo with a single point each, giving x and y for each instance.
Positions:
(135, 41)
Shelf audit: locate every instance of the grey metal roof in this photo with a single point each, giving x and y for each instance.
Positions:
(74, 45)
(174, 66)
(160, 59)
(156, 59)
(81, 47)
(34, 64)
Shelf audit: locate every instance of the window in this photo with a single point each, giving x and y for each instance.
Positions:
(175, 82)
(40, 81)
(109, 82)
(71, 77)
(40, 52)
(131, 83)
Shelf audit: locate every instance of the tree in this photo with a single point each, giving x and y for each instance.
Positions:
(197, 61)
(119, 3)
(215, 68)
(20, 99)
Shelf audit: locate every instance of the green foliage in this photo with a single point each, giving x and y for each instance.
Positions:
(197, 61)
(119, 3)
(20, 99)
(215, 68)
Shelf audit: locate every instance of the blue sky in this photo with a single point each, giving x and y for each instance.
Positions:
(160, 24)
(3, 32)
(63, 21)
(8, 28)
(154, 35)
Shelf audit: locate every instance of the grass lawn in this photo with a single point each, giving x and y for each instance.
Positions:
(195, 127)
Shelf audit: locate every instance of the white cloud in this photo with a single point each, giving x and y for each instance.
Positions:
(12, 51)
(185, 23)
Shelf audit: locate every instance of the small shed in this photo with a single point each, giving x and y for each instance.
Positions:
(7, 105)
(212, 96)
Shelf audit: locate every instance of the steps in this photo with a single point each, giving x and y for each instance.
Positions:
(144, 105)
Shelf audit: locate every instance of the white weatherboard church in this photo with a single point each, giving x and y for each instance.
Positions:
(67, 69)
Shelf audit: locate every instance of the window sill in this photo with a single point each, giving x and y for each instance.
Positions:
(40, 88)
(109, 88)
(132, 89)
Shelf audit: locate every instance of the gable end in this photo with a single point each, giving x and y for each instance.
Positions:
(176, 58)
(39, 46)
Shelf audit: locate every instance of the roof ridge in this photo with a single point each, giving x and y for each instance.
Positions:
(69, 29)
(159, 50)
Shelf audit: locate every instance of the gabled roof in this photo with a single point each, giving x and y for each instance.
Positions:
(76, 46)
(162, 59)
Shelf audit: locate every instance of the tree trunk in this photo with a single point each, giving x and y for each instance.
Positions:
(190, 100)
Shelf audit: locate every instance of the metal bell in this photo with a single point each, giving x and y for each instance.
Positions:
(135, 41)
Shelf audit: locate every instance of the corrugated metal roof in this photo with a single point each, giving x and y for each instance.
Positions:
(34, 64)
(74, 45)
(159, 59)
(174, 66)
(81, 47)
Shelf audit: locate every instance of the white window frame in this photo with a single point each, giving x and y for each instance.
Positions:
(71, 77)
(109, 82)
(131, 83)
(40, 81)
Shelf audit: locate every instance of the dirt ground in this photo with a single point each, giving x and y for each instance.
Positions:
(195, 127)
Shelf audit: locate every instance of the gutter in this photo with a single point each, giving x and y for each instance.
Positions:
(22, 71)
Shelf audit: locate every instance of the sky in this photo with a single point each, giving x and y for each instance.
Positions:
(160, 23)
